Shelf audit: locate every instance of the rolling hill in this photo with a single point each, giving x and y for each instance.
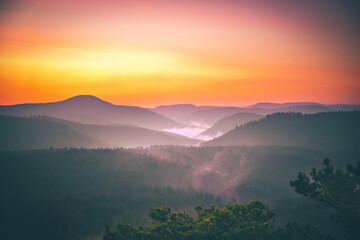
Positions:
(306, 106)
(92, 110)
(178, 111)
(31, 133)
(210, 116)
(268, 105)
(126, 135)
(328, 131)
(227, 123)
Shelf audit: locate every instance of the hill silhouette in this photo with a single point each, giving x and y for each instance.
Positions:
(211, 116)
(331, 130)
(126, 135)
(30, 133)
(178, 111)
(227, 123)
(44, 132)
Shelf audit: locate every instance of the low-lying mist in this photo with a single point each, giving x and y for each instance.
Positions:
(194, 130)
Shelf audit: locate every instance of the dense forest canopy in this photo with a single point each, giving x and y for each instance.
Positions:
(76, 193)
(325, 131)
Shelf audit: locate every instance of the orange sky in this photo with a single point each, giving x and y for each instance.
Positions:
(156, 52)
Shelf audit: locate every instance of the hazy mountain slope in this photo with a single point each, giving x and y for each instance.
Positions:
(211, 116)
(92, 110)
(307, 106)
(227, 123)
(332, 130)
(301, 109)
(178, 111)
(344, 107)
(127, 135)
(32, 133)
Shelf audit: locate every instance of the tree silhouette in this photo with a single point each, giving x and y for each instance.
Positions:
(335, 189)
(249, 222)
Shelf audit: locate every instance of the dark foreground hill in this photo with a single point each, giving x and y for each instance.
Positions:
(331, 130)
(92, 110)
(44, 132)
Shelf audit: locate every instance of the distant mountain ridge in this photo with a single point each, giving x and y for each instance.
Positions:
(92, 110)
(330, 107)
(178, 111)
(268, 105)
(211, 116)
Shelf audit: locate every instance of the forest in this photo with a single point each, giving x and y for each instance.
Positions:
(84, 193)
(95, 179)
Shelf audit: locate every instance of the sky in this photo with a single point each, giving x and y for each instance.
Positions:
(157, 52)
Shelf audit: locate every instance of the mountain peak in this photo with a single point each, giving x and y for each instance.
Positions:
(85, 99)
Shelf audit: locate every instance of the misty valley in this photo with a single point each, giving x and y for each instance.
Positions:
(179, 120)
(84, 168)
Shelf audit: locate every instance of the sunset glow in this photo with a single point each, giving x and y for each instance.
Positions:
(156, 52)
